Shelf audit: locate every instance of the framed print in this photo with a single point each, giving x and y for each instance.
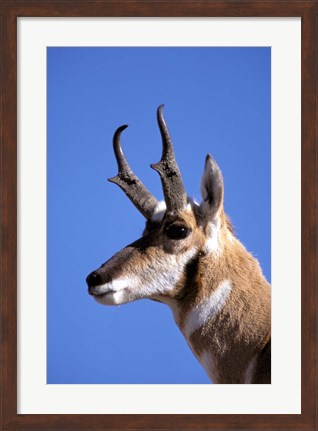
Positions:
(238, 81)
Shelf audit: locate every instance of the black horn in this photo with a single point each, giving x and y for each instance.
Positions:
(143, 200)
(172, 185)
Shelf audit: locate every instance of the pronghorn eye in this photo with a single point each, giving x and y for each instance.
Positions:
(175, 231)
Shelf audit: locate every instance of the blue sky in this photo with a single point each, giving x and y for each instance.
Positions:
(217, 100)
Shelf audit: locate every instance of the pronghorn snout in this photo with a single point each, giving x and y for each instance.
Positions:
(96, 278)
(93, 279)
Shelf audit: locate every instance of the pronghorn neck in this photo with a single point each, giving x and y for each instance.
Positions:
(224, 314)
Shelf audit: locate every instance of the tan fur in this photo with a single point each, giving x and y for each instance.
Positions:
(237, 335)
(236, 341)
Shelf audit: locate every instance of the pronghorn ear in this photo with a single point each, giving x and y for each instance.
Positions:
(211, 188)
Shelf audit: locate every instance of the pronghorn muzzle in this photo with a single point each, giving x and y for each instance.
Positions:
(100, 281)
(95, 279)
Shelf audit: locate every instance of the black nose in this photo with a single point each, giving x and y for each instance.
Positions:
(94, 279)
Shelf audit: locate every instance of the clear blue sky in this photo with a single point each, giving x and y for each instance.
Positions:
(217, 100)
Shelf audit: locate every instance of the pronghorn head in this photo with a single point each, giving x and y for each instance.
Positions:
(177, 234)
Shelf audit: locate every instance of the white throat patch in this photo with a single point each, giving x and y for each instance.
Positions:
(201, 314)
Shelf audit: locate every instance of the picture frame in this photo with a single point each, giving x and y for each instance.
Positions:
(11, 10)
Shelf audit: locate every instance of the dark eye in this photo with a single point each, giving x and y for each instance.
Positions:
(177, 231)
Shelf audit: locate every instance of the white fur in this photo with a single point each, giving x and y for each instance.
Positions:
(212, 244)
(230, 237)
(166, 277)
(159, 281)
(113, 293)
(115, 298)
(116, 285)
(161, 208)
(208, 309)
(189, 207)
(159, 212)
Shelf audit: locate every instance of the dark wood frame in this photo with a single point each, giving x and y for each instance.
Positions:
(11, 10)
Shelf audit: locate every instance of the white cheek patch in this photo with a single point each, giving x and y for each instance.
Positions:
(166, 276)
(153, 283)
(184, 258)
(201, 314)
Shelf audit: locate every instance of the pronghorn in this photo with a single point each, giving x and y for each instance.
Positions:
(189, 258)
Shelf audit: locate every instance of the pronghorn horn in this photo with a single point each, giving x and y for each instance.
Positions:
(172, 185)
(129, 183)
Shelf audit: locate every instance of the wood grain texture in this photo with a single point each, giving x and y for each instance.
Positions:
(160, 8)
